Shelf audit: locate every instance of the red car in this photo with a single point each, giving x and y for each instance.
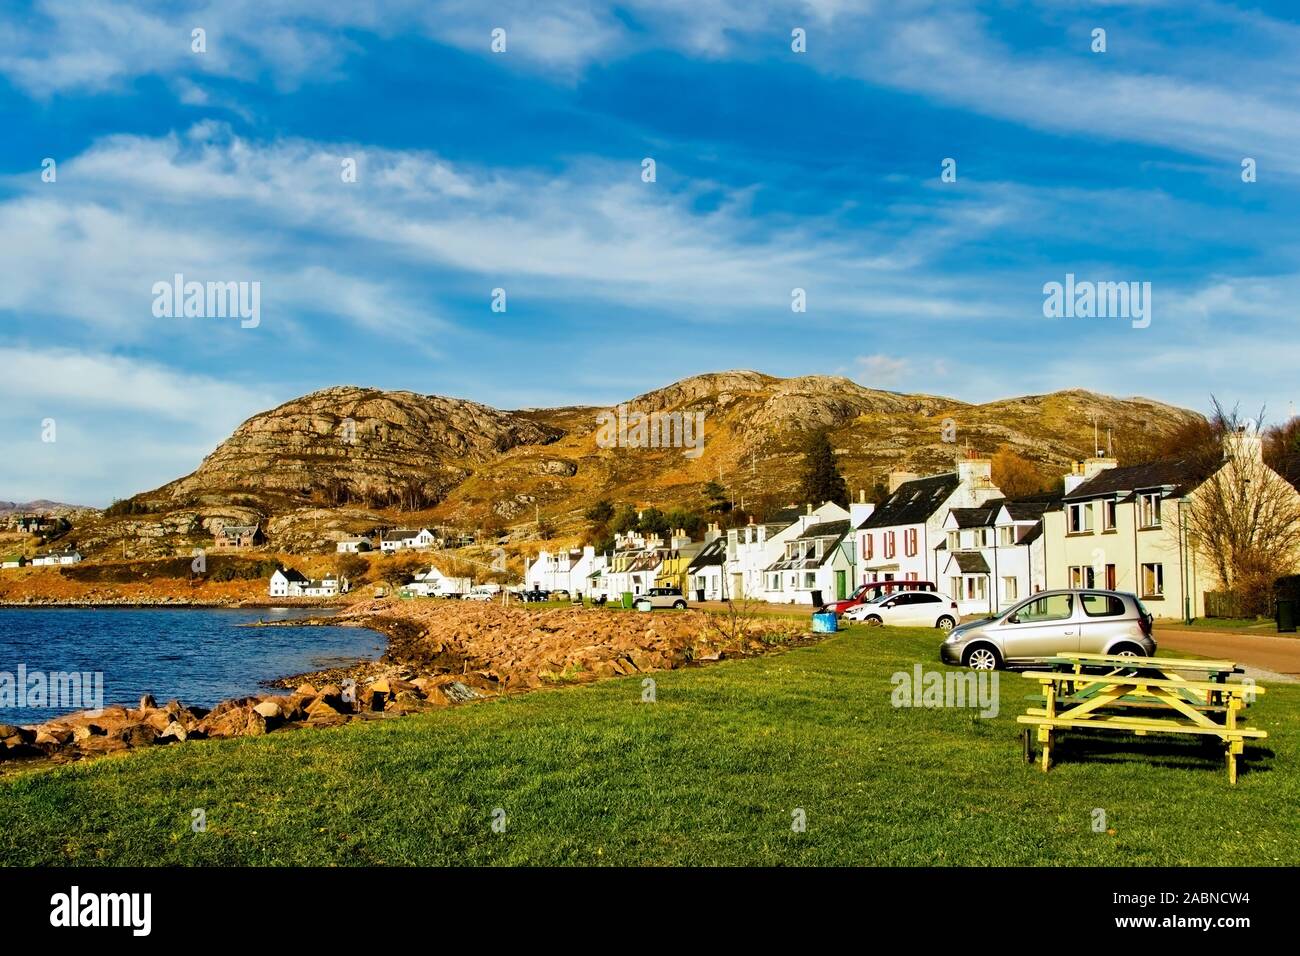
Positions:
(873, 589)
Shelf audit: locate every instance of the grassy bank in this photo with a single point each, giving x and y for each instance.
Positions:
(710, 773)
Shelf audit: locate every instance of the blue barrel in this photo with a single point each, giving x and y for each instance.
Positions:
(825, 622)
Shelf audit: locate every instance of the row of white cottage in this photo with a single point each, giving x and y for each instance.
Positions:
(1118, 528)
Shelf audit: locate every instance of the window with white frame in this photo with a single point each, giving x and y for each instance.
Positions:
(890, 547)
(954, 540)
(909, 542)
(1149, 510)
(1007, 536)
(981, 537)
(1108, 515)
(1082, 576)
(774, 582)
(809, 579)
(1009, 588)
(955, 586)
(1153, 579)
(1080, 518)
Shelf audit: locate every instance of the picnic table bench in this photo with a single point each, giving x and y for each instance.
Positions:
(1141, 695)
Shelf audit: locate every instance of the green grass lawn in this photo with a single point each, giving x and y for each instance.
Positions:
(711, 773)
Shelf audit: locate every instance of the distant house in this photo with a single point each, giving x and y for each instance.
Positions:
(402, 539)
(707, 571)
(433, 583)
(235, 537)
(355, 545)
(1129, 528)
(568, 569)
(62, 556)
(820, 559)
(751, 550)
(903, 539)
(993, 556)
(328, 586)
(13, 561)
(32, 524)
(286, 582)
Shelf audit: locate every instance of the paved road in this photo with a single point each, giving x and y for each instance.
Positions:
(1276, 655)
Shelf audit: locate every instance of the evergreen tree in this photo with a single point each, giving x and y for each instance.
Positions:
(822, 480)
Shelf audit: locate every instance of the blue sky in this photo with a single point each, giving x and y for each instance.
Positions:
(522, 170)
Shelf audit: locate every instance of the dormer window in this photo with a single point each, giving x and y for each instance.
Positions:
(1149, 510)
(1079, 518)
(954, 540)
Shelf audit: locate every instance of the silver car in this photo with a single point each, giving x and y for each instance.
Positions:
(662, 597)
(1051, 622)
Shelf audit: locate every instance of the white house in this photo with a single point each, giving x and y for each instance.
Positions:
(355, 545)
(706, 574)
(433, 583)
(1130, 528)
(570, 569)
(401, 539)
(992, 556)
(328, 586)
(753, 548)
(13, 561)
(64, 556)
(286, 582)
(900, 540)
(817, 562)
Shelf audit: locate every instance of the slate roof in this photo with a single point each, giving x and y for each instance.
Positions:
(827, 529)
(1031, 509)
(238, 530)
(975, 517)
(1180, 475)
(971, 562)
(293, 575)
(714, 553)
(823, 529)
(913, 501)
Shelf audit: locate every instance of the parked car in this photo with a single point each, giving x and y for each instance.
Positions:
(1051, 622)
(479, 594)
(662, 597)
(874, 589)
(560, 594)
(536, 594)
(908, 609)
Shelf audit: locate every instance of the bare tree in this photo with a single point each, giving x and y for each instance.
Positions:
(1244, 516)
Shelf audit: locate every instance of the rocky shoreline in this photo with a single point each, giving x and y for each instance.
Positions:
(439, 654)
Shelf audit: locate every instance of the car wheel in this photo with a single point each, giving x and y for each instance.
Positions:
(982, 658)
(945, 623)
(1127, 650)
(679, 605)
(873, 620)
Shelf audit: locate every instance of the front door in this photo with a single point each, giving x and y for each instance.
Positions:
(841, 586)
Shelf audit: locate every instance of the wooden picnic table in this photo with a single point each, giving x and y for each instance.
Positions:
(1141, 695)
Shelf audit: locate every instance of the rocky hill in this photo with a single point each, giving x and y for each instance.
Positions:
(344, 459)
